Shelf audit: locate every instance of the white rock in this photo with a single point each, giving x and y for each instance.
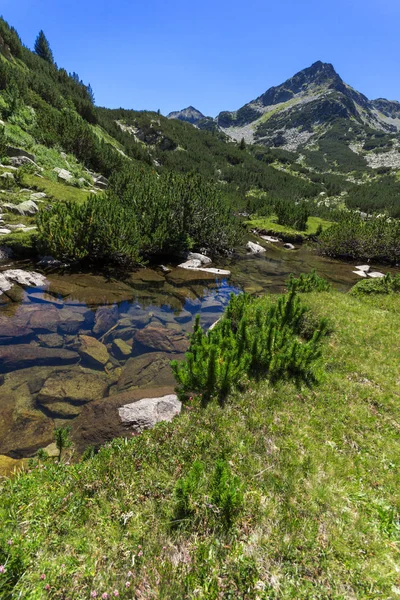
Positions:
(37, 196)
(365, 268)
(147, 412)
(191, 264)
(7, 176)
(360, 273)
(5, 285)
(222, 272)
(63, 174)
(18, 161)
(270, 238)
(29, 278)
(25, 208)
(205, 260)
(376, 274)
(255, 248)
(288, 246)
(4, 231)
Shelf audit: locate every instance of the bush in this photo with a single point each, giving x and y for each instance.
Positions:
(215, 499)
(308, 282)
(250, 341)
(385, 285)
(98, 230)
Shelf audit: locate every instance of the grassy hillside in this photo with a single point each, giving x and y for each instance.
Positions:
(312, 476)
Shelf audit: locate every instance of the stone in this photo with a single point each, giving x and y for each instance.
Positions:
(5, 253)
(18, 161)
(26, 208)
(63, 175)
(270, 238)
(365, 268)
(72, 387)
(184, 317)
(9, 465)
(4, 231)
(204, 260)
(146, 413)
(152, 369)
(51, 340)
(376, 275)
(99, 421)
(360, 273)
(9, 176)
(289, 246)
(218, 272)
(20, 152)
(144, 278)
(70, 321)
(105, 318)
(45, 319)
(120, 349)
(21, 356)
(26, 278)
(193, 263)
(43, 298)
(211, 305)
(5, 283)
(49, 261)
(93, 351)
(255, 248)
(9, 332)
(161, 338)
(52, 451)
(36, 196)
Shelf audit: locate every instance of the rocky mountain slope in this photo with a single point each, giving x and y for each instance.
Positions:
(189, 114)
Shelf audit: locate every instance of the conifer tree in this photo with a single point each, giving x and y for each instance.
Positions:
(42, 48)
(242, 144)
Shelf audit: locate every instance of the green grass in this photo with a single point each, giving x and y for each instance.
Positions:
(55, 190)
(319, 470)
(270, 224)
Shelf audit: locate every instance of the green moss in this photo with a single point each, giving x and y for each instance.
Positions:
(270, 224)
(23, 244)
(55, 190)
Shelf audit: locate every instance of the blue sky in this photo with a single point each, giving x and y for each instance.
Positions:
(216, 55)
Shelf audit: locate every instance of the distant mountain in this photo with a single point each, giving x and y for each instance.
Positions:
(189, 114)
(304, 107)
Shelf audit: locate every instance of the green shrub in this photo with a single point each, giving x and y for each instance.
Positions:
(251, 341)
(214, 498)
(98, 230)
(385, 285)
(308, 282)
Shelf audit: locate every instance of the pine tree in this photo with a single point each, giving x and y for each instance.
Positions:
(90, 94)
(42, 48)
(242, 144)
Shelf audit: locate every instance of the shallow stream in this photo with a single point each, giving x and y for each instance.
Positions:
(87, 343)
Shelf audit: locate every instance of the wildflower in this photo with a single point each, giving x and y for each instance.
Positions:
(140, 553)
(10, 542)
(116, 593)
(139, 546)
(47, 587)
(43, 576)
(127, 584)
(104, 596)
(93, 594)
(2, 568)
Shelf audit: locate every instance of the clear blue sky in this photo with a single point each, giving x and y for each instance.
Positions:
(216, 55)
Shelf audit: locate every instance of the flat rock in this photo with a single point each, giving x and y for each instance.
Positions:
(161, 338)
(10, 332)
(143, 278)
(376, 275)
(37, 196)
(43, 298)
(28, 208)
(360, 273)
(270, 238)
(51, 340)
(73, 387)
(4, 231)
(289, 246)
(9, 465)
(186, 277)
(106, 317)
(152, 369)
(364, 268)
(93, 351)
(46, 320)
(193, 263)
(120, 349)
(205, 260)
(99, 421)
(26, 278)
(5, 284)
(70, 321)
(146, 413)
(20, 356)
(63, 175)
(255, 248)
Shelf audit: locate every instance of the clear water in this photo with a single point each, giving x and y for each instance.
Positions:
(46, 380)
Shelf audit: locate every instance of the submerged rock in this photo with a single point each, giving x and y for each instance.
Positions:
(71, 387)
(21, 356)
(93, 351)
(161, 338)
(146, 413)
(150, 369)
(106, 317)
(121, 349)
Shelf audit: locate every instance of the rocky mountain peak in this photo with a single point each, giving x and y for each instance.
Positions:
(189, 114)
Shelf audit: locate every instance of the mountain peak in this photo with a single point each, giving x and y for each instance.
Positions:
(189, 114)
